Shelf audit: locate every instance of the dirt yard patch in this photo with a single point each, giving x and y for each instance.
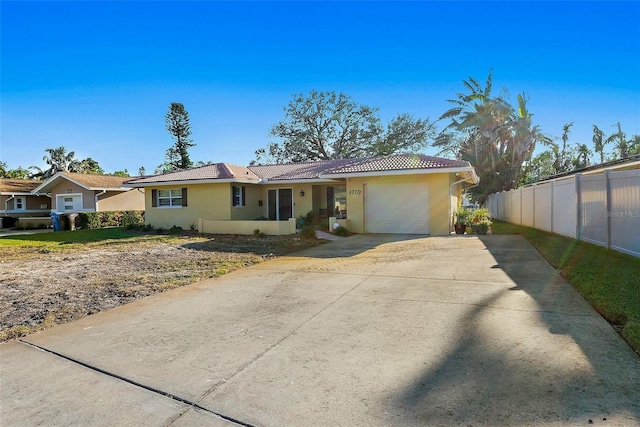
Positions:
(43, 285)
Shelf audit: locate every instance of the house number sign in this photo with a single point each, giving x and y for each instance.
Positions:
(355, 192)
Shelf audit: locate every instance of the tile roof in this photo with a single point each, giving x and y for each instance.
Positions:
(213, 171)
(303, 171)
(17, 185)
(291, 171)
(396, 163)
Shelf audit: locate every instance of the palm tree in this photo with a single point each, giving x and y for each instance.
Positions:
(583, 153)
(493, 136)
(566, 130)
(619, 138)
(598, 142)
(59, 161)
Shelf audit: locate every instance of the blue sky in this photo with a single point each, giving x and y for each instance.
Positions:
(98, 77)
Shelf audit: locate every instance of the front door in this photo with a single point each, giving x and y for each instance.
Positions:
(272, 205)
(285, 204)
(280, 204)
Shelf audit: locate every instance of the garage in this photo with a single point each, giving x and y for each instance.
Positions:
(397, 208)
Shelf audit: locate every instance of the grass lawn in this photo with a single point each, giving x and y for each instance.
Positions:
(608, 279)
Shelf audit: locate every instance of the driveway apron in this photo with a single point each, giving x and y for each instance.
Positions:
(368, 330)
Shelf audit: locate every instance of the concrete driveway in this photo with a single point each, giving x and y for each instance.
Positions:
(369, 330)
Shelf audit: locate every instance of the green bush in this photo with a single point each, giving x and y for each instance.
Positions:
(305, 220)
(308, 232)
(341, 231)
(133, 219)
(175, 230)
(480, 221)
(94, 220)
(258, 233)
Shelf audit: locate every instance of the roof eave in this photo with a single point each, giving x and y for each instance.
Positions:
(108, 188)
(16, 193)
(425, 171)
(300, 181)
(186, 182)
(46, 185)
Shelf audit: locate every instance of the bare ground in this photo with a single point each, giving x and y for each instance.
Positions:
(40, 288)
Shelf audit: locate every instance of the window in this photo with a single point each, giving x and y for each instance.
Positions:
(238, 196)
(174, 197)
(20, 205)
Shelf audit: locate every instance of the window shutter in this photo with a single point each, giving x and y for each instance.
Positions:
(184, 197)
(154, 198)
(233, 196)
(244, 201)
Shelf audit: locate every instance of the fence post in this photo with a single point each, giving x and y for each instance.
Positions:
(552, 181)
(578, 206)
(533, 194)
(520, 206)
(607, 188)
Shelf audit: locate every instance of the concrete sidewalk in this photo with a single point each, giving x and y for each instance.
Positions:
(369, 330)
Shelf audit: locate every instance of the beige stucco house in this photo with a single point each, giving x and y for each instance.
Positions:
(413, 194)
(76, 192)
(17, 199)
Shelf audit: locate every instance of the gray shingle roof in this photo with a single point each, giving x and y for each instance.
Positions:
(96, 181)
(8, 185)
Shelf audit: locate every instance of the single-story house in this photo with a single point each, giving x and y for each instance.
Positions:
(18, 200)
(77, 192)
(413, 194)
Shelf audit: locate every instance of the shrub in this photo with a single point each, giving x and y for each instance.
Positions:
(308, 232)
(128, 219)
(175, 230)
(341, 231)
(258, 233)
(305, 220)
(479, 221)
(132, 219)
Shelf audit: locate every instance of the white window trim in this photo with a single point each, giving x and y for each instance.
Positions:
(59, 197)
(23, 202)
(170, 198)
(240, 199)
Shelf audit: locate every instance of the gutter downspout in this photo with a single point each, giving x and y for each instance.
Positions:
(6, 204)
(450, 195)
(96, 198)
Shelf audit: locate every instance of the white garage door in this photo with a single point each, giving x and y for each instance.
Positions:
(397, 208)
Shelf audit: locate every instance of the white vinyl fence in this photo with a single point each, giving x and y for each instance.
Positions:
(602, 208)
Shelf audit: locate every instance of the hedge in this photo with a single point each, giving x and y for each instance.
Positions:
(127, 219)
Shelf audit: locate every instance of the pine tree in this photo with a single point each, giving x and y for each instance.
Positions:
(177, 123)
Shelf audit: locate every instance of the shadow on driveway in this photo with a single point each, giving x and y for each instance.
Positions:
(559, 361)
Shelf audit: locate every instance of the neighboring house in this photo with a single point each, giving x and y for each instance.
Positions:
(76, 192)
(403, 193)
(17, 199)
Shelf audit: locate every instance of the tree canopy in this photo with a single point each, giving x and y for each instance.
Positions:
(177, 124)
(330, 125)
(495, 137)
(19, 173)
(59, 161)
